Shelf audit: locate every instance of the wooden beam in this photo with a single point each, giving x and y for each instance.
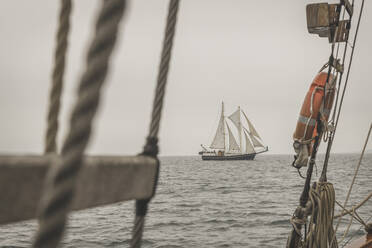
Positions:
(102, 180)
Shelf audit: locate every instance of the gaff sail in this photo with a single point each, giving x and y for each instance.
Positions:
(252, 130)
(219, 138)
(248, 146)
(255, 141)
(233, 145)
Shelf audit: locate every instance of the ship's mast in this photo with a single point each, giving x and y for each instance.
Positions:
(224, 133)
(240, 132)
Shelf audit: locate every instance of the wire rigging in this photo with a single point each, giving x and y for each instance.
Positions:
(332, 134)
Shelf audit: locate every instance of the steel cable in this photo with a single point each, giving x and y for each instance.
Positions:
(332, 134)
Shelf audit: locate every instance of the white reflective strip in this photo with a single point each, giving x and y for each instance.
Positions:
(306, 121)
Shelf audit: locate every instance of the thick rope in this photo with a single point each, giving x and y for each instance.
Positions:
(321, 230)
(151, 148)
(164, 67)
(61, 180)
(354, 177)
(57, 77)
(139, 223)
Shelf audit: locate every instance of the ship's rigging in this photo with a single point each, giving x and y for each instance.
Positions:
(249, 141)
(62, 180)
(325, 20)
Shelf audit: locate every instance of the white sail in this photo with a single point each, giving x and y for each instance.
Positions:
(256, 142)
(252, 130)
(219, 138)
(233, 145)
(235, 118)
(248, 146)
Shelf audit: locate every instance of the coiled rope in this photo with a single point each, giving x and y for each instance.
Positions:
(299, 217)
(151, 148)
(321, 230)
(57, 77)
(62, 176)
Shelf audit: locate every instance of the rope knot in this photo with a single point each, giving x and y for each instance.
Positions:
(296, 221)
(298, 218)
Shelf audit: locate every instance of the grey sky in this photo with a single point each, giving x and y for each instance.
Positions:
(256, 54)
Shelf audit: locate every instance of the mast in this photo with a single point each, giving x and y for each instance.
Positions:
(224, 133)
(240, 132)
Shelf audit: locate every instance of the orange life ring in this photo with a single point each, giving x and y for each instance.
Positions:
(313, 104)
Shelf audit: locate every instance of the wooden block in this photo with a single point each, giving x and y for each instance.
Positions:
(317, 16)
(322, 18)
(102, 180)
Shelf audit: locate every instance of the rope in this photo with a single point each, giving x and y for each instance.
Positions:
(341, 72)
(355, 206)
(349, 66)
(352, 212)
(139, 223)
(355, 233)
(348, 227)
(61, 178)
(164, 67)
(57, 77)
(329, 88)
(294, 239)
(295, 221)
(151, 147)
(321, 221)
(331, 58)
(354, 177)
(332, 134)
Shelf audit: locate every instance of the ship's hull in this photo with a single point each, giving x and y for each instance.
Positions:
(250, 156)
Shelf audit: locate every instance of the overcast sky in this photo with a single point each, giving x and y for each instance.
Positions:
(255, 54)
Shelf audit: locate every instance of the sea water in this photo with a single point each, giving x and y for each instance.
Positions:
(212, 204)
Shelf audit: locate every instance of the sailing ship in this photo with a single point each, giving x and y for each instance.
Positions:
(223, 148)
(70, 172)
